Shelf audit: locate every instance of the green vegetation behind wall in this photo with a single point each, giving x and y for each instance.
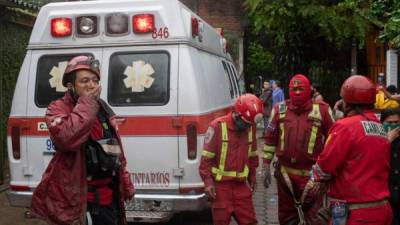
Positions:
(13, 42)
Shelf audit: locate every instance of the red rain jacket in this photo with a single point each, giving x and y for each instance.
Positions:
(60, 197)
(356, 160)
(292, 128)
(238, 156)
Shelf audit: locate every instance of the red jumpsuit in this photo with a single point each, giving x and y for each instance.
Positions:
(229, 161)
(357, 156)
(296, 135)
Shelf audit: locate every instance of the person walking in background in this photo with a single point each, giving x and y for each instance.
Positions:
(266, 98)
(296, 133)
(277, 93)
(390, 119)
(229, 162)
(355, 161)
(87, 181)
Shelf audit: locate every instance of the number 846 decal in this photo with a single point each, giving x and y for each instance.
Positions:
(160, 33)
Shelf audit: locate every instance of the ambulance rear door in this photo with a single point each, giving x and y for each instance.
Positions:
(46, 71)
(142, 90)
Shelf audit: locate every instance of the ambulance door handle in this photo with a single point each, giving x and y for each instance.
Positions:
(120, 120)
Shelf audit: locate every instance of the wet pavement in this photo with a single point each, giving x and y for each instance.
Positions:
(265, 203)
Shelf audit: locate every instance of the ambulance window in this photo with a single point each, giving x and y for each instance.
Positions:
(240, 81)
(138, 79)
(234, 79)
(50, 70)
(227, 74)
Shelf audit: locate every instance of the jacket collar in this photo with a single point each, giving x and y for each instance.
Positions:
(299, 109)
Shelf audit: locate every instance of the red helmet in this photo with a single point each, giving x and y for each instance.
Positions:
(249, 107)
(358, 89)
(81, 62)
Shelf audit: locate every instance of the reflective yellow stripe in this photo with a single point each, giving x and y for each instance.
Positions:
(268, 155)
(313, 137)
(224, 149)
(298, 172)
(224, 131)
(251, 152)
(208, 154)
(282, 126)
(244, 173)
(315, 115)
(221, 173)
(269, 151)
(269, 148)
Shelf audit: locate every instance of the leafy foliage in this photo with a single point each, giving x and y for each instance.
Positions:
(313, 37)
(288, 22)
(13, 48)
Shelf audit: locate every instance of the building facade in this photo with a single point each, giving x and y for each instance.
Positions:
(230, 15)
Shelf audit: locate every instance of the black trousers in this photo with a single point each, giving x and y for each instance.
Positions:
(102, 214)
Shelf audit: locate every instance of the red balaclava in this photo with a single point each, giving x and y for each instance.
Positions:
(299, 97)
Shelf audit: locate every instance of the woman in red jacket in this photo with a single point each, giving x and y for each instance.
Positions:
(77, 186)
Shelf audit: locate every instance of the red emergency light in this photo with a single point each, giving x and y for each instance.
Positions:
(195, 27)
(61, 27)
(143, 23)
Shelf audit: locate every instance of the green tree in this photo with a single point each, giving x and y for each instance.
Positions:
(306, 36)
(385, 14)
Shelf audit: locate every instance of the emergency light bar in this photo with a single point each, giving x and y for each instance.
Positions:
(86, 25)
(116, 24)
(61, 27)
(143, 23)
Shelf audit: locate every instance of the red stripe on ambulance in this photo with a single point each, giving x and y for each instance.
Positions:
(132, 126)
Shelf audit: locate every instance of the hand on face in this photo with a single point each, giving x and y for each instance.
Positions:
(94, 93)
(393, 134)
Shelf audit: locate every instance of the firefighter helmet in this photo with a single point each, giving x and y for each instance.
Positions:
(81, 62)
(250, 108)
(358, 89)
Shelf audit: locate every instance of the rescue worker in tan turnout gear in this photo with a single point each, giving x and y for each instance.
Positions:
(229, 161)
(296, 134)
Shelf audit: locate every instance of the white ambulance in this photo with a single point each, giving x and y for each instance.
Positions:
(164, 71)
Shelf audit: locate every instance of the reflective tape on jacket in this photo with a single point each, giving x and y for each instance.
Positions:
(252, 152)
(208, 154)
(282, 115)
(315, 115)
(220, 171)
(269, 151)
